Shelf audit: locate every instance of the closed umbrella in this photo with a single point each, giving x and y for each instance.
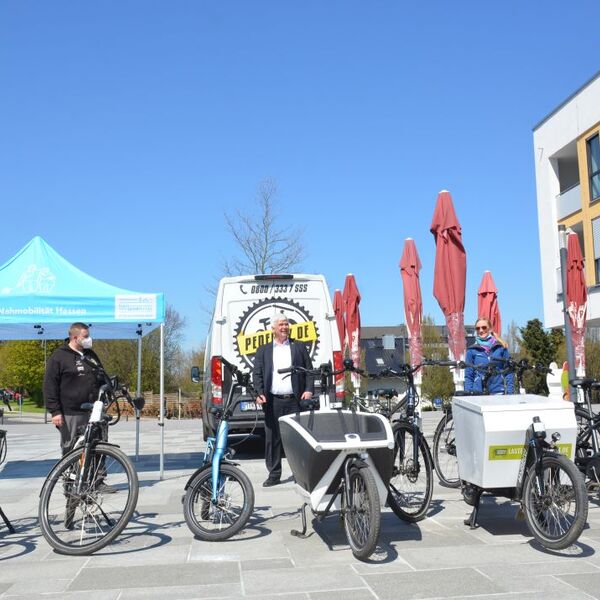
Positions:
(351, 298)
(410, 265)
(576, 300)
(487, 302)
(338, 311)
(450, 274)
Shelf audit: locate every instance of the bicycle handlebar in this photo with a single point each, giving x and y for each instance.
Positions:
(324, 369)
(242, 378)
(407, 369)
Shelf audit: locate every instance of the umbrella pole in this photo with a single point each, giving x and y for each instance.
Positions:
(458, 375)
(562, 239)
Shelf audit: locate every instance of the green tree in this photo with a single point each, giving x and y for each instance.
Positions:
(22, 366)
(437, 381)
(119, 357)
(183, 380)
(592, 358)
(541, 347)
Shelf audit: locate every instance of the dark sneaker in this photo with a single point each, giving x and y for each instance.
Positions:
(271, 482)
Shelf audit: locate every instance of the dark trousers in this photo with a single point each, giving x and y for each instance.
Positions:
(68, 431)
(275, 408)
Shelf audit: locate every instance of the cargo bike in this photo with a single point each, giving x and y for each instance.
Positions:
(503, 450)
(341, 459)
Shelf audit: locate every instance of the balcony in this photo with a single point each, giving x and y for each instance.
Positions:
(568, 202)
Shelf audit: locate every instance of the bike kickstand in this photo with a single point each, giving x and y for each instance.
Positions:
(295, 532)
(11, 529)
(471, 520)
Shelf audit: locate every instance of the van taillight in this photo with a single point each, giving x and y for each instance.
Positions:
(339, 379)
(216, 379)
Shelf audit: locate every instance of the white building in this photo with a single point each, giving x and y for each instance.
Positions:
(567, 172)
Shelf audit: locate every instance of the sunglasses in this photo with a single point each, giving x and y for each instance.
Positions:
(482, 328)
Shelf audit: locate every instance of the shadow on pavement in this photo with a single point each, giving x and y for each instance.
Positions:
(134, 537)
(331, 531)
(578, 549)
(20, 543)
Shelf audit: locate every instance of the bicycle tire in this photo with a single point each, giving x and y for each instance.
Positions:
(445, 460)
(546, 515)
(216, 522)
(411, 485)
(95, 517)
(362, 518)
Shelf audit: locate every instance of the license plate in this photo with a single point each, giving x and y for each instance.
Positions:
(248, 405)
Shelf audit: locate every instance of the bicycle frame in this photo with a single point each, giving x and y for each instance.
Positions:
(216, 449)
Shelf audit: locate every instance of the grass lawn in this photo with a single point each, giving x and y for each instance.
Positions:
(28, 406)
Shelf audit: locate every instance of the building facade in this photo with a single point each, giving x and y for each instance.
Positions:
(567, 172)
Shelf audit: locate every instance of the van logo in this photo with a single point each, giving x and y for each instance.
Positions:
(254, 327)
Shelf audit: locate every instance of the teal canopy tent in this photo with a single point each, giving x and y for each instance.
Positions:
(41, 293)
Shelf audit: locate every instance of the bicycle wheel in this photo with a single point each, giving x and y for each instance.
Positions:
(81, 522)
(362, 516)
(411, 484)
(444, 452)
(557, 515)
(235, 502)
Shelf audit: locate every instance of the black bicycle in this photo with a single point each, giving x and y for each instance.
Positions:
(411, 484)
(90, 494)
(587, 452)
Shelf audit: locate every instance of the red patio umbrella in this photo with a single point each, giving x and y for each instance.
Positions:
(338, 311)
(351, 298)
(576, 300)
(487, 302)
(449, 278)
(410, 265)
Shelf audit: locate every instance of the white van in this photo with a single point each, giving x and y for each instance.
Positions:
(241, 322)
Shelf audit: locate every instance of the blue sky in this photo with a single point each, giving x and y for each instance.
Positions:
(127, 128)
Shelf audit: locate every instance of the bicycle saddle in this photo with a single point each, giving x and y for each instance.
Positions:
(582, 382)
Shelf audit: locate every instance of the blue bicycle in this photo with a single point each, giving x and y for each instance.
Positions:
(219, 497)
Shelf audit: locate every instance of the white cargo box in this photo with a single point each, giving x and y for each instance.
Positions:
(490, 434)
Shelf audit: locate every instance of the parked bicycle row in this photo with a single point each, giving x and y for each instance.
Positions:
(353, 460)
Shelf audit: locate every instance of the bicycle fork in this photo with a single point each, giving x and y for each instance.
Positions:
(87, 477)
(220, 448)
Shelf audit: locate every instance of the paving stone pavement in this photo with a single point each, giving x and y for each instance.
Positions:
(157, 556)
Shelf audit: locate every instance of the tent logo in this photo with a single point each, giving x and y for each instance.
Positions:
(34, 280)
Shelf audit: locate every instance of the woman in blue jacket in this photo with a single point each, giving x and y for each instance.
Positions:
(485, 350)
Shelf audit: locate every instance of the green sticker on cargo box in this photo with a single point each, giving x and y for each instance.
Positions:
(515, 451)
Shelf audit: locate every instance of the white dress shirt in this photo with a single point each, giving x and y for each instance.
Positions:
(282, 359)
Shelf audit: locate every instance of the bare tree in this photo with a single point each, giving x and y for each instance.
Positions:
(513, 339)
(265, 246)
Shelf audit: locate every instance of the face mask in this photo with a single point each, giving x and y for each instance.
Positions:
(86, 343)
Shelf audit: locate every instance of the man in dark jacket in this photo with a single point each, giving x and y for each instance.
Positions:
(69, 382)
(280, 394)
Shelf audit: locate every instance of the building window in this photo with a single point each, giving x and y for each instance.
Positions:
(593, 148)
